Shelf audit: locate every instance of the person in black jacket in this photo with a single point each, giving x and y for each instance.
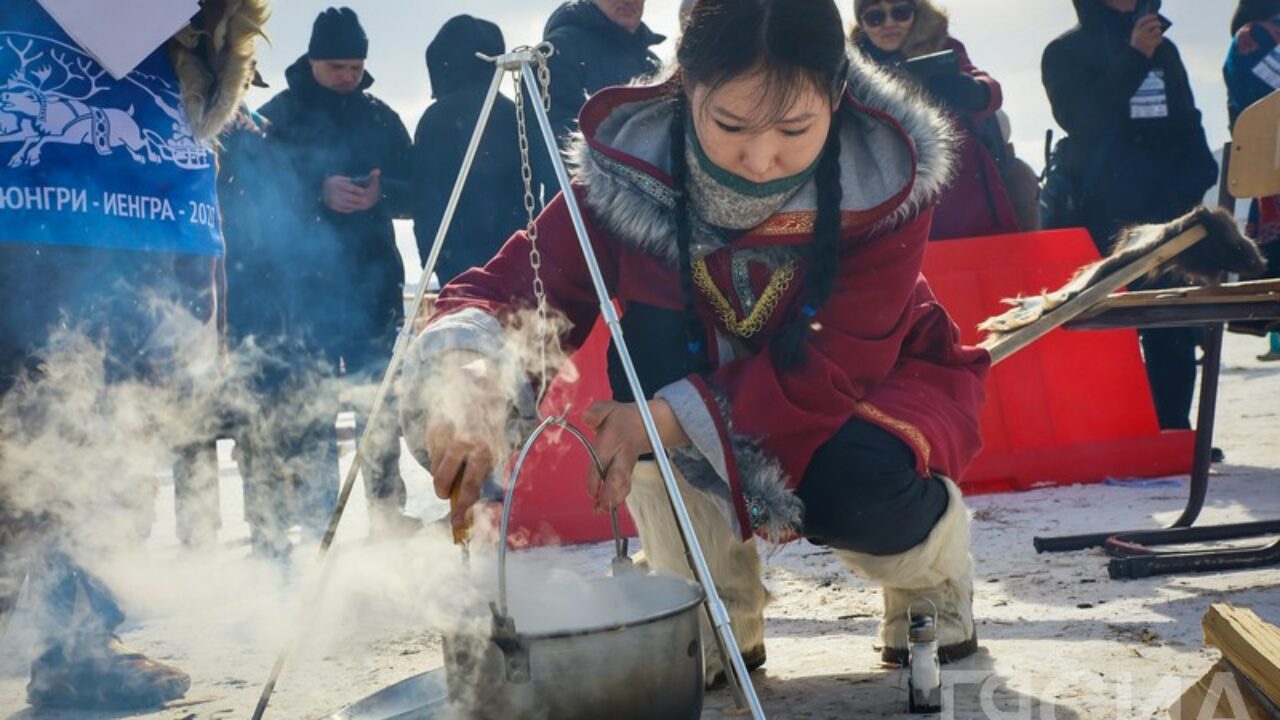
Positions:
(1136, 149)
(492, 203)
(348, 155)
(598, 43)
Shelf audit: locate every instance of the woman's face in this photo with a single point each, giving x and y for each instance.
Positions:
(728, 127)
(888, 23)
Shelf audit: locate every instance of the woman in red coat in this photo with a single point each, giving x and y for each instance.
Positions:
(761, 217)
(895, 32)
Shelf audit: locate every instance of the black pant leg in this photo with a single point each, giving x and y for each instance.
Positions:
(862, 493)
(1170, 356)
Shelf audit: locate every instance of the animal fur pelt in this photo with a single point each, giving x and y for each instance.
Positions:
(1224, 250)
(214, 60)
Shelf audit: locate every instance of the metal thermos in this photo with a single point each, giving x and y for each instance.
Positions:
(924, 685)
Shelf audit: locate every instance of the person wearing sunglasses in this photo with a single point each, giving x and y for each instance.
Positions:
(908, 35)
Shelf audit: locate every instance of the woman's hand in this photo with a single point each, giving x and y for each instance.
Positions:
(465, 438)
(1148, 33)
(620, 441)
(462, 460)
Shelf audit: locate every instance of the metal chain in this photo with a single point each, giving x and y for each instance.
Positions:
(530, 207)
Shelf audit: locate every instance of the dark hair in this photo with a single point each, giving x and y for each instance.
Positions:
(1251, 11)
(790, 44)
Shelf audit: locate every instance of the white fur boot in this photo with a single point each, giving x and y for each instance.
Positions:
(735, 565)
(939, 570)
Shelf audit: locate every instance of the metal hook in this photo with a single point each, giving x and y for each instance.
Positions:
(620, 543)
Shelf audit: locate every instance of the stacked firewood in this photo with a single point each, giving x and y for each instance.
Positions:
(1245, 683)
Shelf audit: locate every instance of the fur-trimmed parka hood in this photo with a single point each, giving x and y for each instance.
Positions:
(897, 157)
(929, 33)
(214, 60)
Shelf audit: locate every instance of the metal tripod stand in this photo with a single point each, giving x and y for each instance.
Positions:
(521, 62)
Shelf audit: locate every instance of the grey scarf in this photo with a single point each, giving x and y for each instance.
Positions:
(725, 200)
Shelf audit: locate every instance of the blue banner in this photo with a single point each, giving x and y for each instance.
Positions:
(92, 161)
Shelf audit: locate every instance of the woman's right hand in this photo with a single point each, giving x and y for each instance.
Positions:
(466, 436)
(1148, 33)
(459, 460)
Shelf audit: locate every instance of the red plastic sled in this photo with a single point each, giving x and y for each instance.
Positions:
(1073, 407)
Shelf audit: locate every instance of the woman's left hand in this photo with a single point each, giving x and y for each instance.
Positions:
(620, 441)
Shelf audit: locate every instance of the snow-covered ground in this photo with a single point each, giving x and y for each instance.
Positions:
(1060, 640)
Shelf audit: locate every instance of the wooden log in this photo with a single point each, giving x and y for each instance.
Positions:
(1249, 644)
(1223, 692)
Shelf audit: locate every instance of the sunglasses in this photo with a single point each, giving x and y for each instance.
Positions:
(901, 13)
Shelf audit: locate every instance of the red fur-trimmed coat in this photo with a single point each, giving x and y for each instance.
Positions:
(977, 203)
(882, 350)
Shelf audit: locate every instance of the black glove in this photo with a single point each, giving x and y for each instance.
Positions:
(961, 93)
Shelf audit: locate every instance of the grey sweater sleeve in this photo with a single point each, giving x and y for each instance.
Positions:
(458, 338)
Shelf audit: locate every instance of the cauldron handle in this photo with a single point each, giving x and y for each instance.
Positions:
(621, 560)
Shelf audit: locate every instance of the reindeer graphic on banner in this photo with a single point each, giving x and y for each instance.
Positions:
(46, 101)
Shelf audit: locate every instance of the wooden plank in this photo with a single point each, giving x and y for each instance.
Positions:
(1255, 150)
(1249, 644)
(1011, 343)
(1165, 298)
(1177, 315)
(1246, 288)
(1254, 291)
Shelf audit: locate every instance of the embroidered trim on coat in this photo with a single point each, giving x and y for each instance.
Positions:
(910, 432)
(760, 314)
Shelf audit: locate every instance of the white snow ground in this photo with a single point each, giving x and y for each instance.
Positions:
(1060, 640)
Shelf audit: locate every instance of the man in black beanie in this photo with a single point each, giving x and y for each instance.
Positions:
(347, 154)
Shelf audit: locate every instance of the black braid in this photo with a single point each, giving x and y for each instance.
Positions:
(824, 252)
(696, 335)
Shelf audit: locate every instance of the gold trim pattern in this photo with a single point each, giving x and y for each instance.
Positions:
(800, 223)
(760, 314)
(911, 432)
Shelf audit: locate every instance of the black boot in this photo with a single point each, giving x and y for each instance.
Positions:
(102, 675)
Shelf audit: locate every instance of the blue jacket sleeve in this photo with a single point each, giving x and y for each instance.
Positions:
(1250, 48)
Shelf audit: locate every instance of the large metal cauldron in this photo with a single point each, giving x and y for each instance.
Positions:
(625, 647)
(646, 665)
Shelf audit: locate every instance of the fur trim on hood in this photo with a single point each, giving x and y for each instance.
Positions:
(928, 35)
(214, 60)
(897, 157)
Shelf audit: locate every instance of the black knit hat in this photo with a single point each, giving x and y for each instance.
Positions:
(337, 35)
